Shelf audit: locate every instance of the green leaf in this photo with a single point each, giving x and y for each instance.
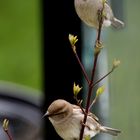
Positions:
(100, 90)
(87, 137)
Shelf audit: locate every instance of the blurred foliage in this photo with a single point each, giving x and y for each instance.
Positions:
(20, 42)
(124, 82)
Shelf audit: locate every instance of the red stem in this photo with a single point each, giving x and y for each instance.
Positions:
(89, 97)
(9, 136)
(83, 69)
(92, 78)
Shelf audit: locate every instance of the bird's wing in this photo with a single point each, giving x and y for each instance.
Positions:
(75, 106)
(94, 116)
(89, 114)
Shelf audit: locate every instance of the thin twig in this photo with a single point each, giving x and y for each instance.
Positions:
(82, 68)
(94, 84)
(79, 104)
(90, 88)
(89, 97)
(93, 102)
(5, 126)
(8, 134)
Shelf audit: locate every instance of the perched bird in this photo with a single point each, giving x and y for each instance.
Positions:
(67, 120)
(88, 11)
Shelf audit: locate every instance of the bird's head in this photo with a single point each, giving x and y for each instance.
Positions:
(59, 110)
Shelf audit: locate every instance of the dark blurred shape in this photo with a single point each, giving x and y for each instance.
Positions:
(22, 107)
(60, 66)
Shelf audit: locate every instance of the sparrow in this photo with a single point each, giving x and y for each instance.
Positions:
(88, 12)
(67, 119)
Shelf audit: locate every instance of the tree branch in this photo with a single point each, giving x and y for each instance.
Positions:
(90, 87)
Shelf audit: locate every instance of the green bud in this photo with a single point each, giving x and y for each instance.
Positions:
(98, 48)
(73, 39)
(116, 63)
(87, 137)
(103, 1)
(76, 89)
(5, 124)
(100, 90)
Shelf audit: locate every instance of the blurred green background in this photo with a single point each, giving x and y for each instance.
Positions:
(125, 81)
(20, 42)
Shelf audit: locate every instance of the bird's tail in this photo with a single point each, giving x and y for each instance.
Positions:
(116, 23)
(110, 131)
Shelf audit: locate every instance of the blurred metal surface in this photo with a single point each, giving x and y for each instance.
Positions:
(22, 106)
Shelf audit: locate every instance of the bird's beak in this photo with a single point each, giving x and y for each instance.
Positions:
(46, 114)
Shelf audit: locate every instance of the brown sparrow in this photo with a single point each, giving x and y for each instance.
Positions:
(87, 10)
(67, 120)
